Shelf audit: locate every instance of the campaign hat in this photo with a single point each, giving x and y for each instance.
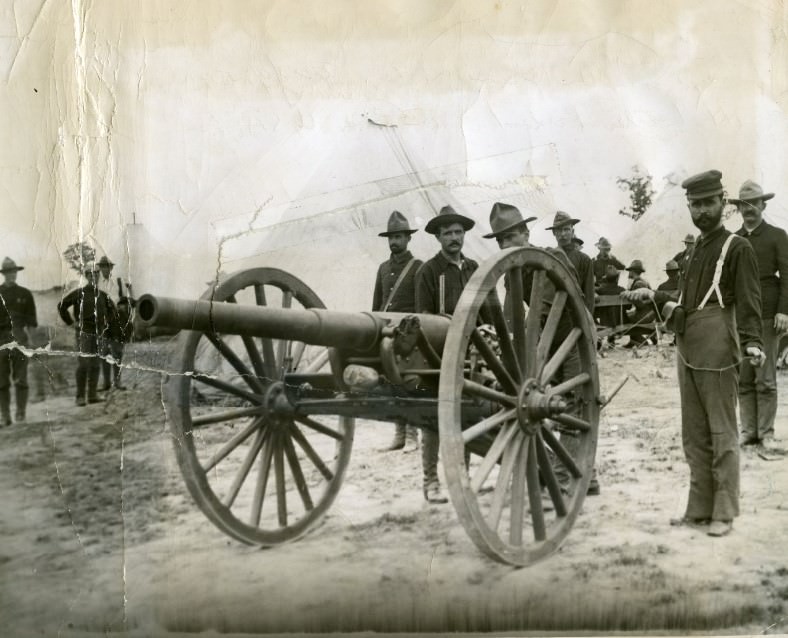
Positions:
(689, 238)
(505, 217)
(9, 265)
(447, 215)
(105, 261)
(702, 185)
(578, 241)
(562, 219)
(671, 265)
(637, 266)
(603, 243)
(750, 192)
(397, 223)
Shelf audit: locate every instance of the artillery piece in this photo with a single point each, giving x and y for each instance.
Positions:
(266, 376)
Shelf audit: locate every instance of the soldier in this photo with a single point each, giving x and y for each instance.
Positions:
(672, 284)
(610, 316)
(92, 310)
(439, 284)
(758, 386)
(603, 260)
(640, 313)
(682, 257)
(564, 231)
(509, 229)
(720, 298)
(19, 314)
(112, 344)
(395, 291)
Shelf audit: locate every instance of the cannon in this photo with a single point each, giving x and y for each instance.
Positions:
(267, 385)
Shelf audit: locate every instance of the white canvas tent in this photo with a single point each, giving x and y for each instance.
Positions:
(185, 137)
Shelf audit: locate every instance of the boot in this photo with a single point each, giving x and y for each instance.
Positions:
(21, 403)
(93, 379)
(106, 372)
(5, 406)
(411, 439)
(399, 438)
(116, 376)
(430, 445)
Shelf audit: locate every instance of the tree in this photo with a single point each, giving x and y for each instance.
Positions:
(79, 254)
(640, 193)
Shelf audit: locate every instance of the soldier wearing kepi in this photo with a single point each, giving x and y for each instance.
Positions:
(395, 291)
(92, 309)
(439, 285)
(719, 317)
(19, 315)
(758, 386)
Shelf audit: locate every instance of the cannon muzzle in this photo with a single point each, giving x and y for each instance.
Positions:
(357, 331)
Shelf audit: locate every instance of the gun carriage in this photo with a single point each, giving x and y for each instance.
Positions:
(268, 384)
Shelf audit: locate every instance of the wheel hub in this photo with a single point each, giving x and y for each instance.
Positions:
(533, 405)
(277, 406)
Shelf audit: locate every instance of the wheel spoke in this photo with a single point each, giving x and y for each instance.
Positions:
(570, 384)
(518, 493)
(535, 493)
(254, 354)
(319, 427)
(504, 476)
(281, 495)
(493, 454)
(227, 415)
(310, 452)
(232, 444)
(235, 362)
(493, 305)
(534, 324)
(548, 333)
(243, 472)
(262, 481)
(299, 353)
(267, 344)
(492, 360)
(548, 474)
(318, 363)
(471, 387)
(552, 366)
(487, 424)
(561, 453)
(298, 475)
(229, 388)
(572, 422)
(283, 345)
(515, 278)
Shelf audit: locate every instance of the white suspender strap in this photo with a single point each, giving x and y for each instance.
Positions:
(715, 284)
(442, 294)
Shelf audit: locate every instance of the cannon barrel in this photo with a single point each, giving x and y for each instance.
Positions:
(357, 331)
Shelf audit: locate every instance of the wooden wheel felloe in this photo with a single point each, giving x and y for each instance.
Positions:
(259, 471)
(536, 370)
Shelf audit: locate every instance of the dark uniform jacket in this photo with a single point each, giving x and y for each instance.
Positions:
(388, 273)
(585, 275)
(671, 286)
(610, 316)
(19, 313)
(93, 310)
(600, 264)
(739, 283)
(771, 251)
(428, 286)
(682, 259)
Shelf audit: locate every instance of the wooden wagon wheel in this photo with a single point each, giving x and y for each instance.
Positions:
(519, 499)
(259, 471)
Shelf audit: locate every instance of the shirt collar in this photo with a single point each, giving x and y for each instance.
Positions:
(445, 263)
(402, 258)
(754, 231)
(710, 237)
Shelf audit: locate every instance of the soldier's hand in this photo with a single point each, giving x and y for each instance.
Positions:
(781, 323)
(756, 355)
(639, 294)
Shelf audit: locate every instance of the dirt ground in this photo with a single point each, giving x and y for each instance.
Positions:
(98, 534)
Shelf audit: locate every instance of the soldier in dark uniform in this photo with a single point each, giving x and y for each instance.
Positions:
(19, 314)
(112, 345)
(604, 259)
(682, 257)
(672, 284)
(564, 231)
(758, 386)
(92, 310)
(721, 306)
(439, 285)
(395, 291)
(640, 313)
(610, 316)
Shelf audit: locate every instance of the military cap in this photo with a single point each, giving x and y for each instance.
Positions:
(703, 185)
(504, 217)
(689, 238)
(578, 241)
(603, 243)
(104, 261)
(9, 265)
(562, 219)
(446, 216)
(671, 265)
(636, 265)
(398, 223)
(750, 192)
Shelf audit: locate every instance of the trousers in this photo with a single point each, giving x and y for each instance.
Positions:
(758, 390)
(88, 365)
